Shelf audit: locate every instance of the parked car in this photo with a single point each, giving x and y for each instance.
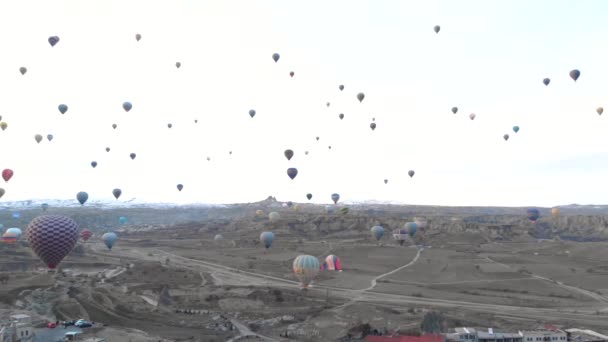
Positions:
(83, 324)
(51, 325)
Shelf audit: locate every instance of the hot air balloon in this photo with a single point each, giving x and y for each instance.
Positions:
(292, 172)
(335, 197)
(341, 87)
(332, 263)
(360, 97)
(15, 231)
(267, 238)
(291, 73)
(251, 112)
(309, 196)
(62, 108)
(138, 37)
(169, 125)
(341, 116)
(127, 106)
(546, 81)
(116, 193)
(411, 227)
(275, 57)
(555, 211)
(288, 154)
(377, 232)
(49, 137)
(386, 181)
(3, 125)
(372, 126)
(328, 104)
(94, 164)
(421, 222)
(575, 74)
(533, 214)
(306, 268)
(180, 187)
(218, 238)
(259, 213)
(122, 220)
(411, 173)
(44, 206)
(2, 192)
(600, 110)
(52, 237)
(454, 110)
(38, 138)
(317, 138)
(85, 235)
(178, 64)
(109, 239)
(515, 129)
(9, 237)
(7, 174)
(114, 126)
(274, 216)
(23, 70)
(436, 28)
(401, 235)
(82, 197)
(107, 149)
(472, 116)
(53, 40)
(506, 137)
(132, 155)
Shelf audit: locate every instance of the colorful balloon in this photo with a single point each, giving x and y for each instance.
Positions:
(180, 187)
(109, 239)
(127, 106)
(267, 238)
(377, 232)
(360, 97)
(292, 172)
(122, 220)
(116, 193)
(82, 197)
(332, 263)
(52, 237)
(575, 74)
(53, 40)
(85, 235)
(274, 216)
(600, 110)
(305, 268)
(335, 197)
(533, 214)
(515, 129)
(62, 108)
(472, 116)
(7, 174)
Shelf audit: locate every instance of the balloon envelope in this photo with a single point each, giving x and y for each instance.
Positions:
(575, 74)
(82, 197)
(127, 106)
(533, 214)
(7, 174)
(63, 108)
(436, 28)
(515, 129)
(288, 154)
(116, 193)
(292, 172)
(305, 268)
(109, 239)
(377, 232)
(546, 81)
(53, 40)
(335, 198)
(360, 97)
(309, 196)
(275, 57)
(332, 263)
(85, 235)
(267, 238)
(52, 237)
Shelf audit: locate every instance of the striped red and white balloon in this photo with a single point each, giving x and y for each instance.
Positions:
(52, 237)
(85, 235)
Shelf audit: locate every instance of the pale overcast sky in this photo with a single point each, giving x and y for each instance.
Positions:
(489, 58)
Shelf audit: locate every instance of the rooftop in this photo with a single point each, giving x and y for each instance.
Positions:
(423, 338)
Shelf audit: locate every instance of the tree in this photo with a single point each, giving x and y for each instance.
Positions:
(432, 323)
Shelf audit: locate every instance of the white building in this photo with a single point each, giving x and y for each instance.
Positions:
(18, 330)
(584, 335)
(545, 335)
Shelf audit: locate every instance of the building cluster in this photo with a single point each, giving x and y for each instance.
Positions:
(547, 333)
